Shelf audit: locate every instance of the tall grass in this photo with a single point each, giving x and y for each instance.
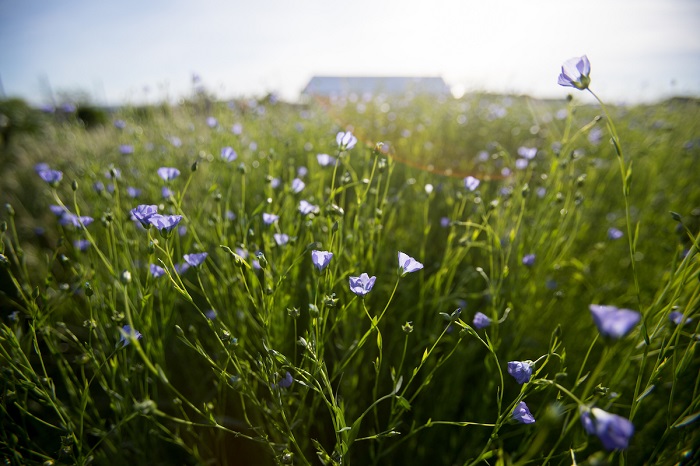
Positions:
(257, 357)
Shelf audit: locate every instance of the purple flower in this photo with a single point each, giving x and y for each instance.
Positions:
(281, 239)
(133, 192)
(275, 183)
(286, 381)
(522, 414)
(471, 183)
(302, 172)
(574, 73)
(408, 264)
(228, 154)
(677, 318)
(143, 213)
(345, 140)
(98, 186)
(481, 320)
(58, 210)
(126, 149)
(527, 152)
(230, 215)
(168, 173)
(529, 260)
(175, 141)
(164, 223)
(50, 176)
(445, 222)
(119, 124)
(212, 122)
(362, 285)
(614, 233)
(182, 268)
(325, 160)
(211, 314)
(321, 259)
(521, 164)
(127, 333)
(81, 244)
(75, 220)
(195, 259)
(166, 192)
(297, 185)
(520, 370)
(306, 208)
(156, 270)
(269, 219)
(237, 128)
(613, 430)
(613, 322)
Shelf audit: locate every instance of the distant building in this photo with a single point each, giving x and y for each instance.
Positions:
(340, 86)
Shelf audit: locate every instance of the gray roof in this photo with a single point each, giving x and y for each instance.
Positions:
(338, 86)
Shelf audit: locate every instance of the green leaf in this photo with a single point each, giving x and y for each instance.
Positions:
(687, 420)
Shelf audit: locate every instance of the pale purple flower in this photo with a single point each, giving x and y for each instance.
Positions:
(408, 264)
(166, 192)
(275, 183)
(445, 222)
(228, 154)
(98, 186)
(175, 141)
(164, 223)
(302, 171)
(613, 431)
(212, 122)
(168, 173)
(269, 219)
(81, 244)
(614, 233)
(521, 164)
(345, 140)
(471, 183)
(196, 259)
(529, 260)
(321, 259)
(182, 268)
(126, 149)
(574, 73)
(306, 208)
(481, 320)
(156, 270)
(325, 160)
(362, 285)
(133, 192)
(211, 314)
(527, 152)
(127, 333)
(613, 322)
(522, 414)
(520, 370)
(297, 185)
(286, 381)
(50, 176)
(281, 239)
(77, 221)
(143, 213)
(58, 210)
(182, 230)
(230, 215)
(119, 124)
(237, 129)
(677, 318)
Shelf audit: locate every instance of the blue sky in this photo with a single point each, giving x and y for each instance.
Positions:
(640, 50)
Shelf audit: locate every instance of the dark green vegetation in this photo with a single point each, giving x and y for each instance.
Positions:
(368, 387)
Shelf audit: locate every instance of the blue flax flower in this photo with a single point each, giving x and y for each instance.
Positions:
(345, 140)
(529, 260)
(286, 381)
(408, 264)
(614, 233)
(325, 160)
(50, 176)
(164, 223)
(481, 320)
(168, 173)
(677, 318)
(362, 285)
(613, 430)
(156, 270)
(195, 259)
(77, 221)
(522, 414)
(520, 370)
(228, 154)
(143, 213)
(269, 219)
(127, 333)
(613, 322)
(575, 73)
(298, 185)
(281, 238)
(321, 259)
(306, 208)
(471, 183)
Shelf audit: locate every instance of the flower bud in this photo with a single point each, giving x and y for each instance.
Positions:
(74, 185)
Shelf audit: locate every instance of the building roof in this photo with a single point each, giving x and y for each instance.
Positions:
(339, 86)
